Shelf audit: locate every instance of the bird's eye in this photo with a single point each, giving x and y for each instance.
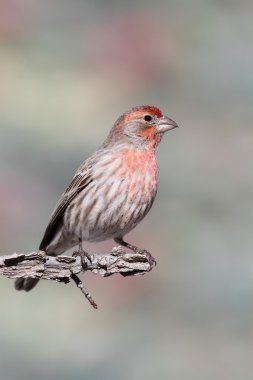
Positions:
(147, 118)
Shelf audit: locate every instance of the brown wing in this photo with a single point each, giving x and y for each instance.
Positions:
(78, 183)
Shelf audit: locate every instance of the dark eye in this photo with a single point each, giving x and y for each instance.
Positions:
(147, 118)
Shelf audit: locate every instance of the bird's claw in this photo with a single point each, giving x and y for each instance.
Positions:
(84, 256)
(151, 260)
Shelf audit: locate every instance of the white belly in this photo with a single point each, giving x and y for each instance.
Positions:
(108, 211)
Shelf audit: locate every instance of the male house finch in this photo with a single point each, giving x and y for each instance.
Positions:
(112, 190)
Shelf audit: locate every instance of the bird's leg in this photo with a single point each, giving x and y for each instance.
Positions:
(123, 243)
(82, 254)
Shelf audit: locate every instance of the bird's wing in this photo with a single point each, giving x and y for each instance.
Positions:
(79, 182)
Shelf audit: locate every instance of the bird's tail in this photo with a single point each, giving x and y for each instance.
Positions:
(25, 283)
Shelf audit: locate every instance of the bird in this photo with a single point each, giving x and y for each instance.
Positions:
(112, 190)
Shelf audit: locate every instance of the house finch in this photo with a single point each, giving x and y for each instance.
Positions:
(112, 190)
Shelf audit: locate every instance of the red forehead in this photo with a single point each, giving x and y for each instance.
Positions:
(138, 112)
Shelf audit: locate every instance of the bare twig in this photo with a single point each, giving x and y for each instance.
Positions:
(81, 286)
(64, 268)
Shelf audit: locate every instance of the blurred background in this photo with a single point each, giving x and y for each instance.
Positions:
(68, 69)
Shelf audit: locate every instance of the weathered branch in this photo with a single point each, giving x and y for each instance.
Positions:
(64, 268)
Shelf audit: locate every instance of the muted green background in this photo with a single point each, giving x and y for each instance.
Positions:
(68, 69)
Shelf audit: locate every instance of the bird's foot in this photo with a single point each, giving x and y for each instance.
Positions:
(151, 260)
(84, 256)
(134, 248)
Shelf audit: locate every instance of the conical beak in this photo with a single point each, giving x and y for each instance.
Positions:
(166, 124)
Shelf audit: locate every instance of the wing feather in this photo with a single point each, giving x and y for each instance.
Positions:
(78, 183)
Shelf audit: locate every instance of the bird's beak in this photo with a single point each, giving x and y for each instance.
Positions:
(166, 124)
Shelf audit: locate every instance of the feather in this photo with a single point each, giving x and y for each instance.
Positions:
(79, 182)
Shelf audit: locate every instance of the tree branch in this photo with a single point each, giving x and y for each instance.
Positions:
(64, 268)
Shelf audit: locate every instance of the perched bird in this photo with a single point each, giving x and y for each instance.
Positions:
(112, 190)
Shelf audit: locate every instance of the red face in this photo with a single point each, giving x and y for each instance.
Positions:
(147, 117)
(144, 124)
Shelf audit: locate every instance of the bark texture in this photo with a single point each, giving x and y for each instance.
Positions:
(65, 268)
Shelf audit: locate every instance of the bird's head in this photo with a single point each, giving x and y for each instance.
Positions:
(142, 126)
